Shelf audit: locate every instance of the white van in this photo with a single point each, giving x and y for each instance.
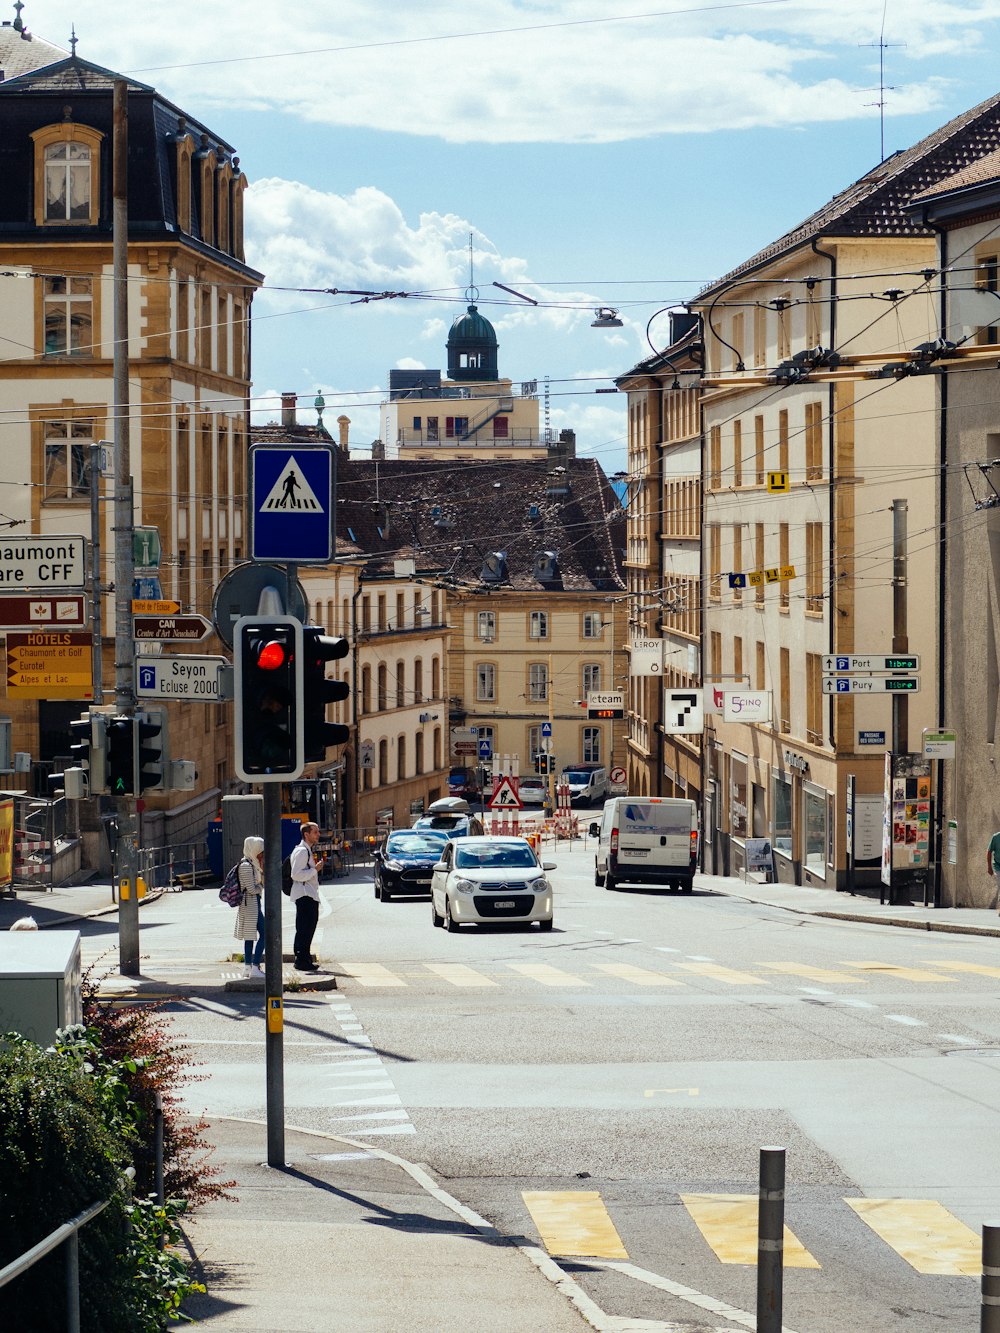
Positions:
(647, 840)
(587, 783)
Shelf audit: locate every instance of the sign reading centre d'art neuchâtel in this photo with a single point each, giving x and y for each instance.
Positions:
(291, 503)
(43, 562)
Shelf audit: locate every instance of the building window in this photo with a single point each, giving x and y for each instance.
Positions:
(593, 627)
(432, 428)
(456, 427)
(400, 758)
(758, 450)
(68, 316)
(785, 669)
(591, 745)
(67, 175)
(486, 682)
(814, 810)
(538, 682)
(782, 814)
(400, 684)
(591, 678)
(383, 688)
(67, 460)
(738, 797)
(814, 568)
(538, 626)
(738, 558)
(814, 441)
(759, 561)
(714, 562)
(500, 428)
(486, 626)
(737, 453)
(814, 698)
(416, 423)
(783, 560)
(418, 681)
(783, 440)
(715, 457)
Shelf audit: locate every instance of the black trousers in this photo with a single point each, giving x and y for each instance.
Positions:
(306, 916)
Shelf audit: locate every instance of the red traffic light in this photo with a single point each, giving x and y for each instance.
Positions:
(272, 655)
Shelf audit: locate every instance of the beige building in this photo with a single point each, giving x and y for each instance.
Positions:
(190, 292)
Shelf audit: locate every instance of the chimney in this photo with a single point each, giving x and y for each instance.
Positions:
(378, 451)
(344, 426)
(288, 401)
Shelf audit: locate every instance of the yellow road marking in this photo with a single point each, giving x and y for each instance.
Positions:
(639, 976)
(977, 968)
(372, 974)
(574, 1222)
(457, 974)
(903, 973)
(728, 1223)
(815, 974)
(547, 975)
(924, 1233)
(726, 974)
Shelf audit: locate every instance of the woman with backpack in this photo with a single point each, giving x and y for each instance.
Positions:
(249, 913)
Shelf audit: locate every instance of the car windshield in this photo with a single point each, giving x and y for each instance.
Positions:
(532, 782)
(412, 844)
(573, 775)
(656, 819)
(487, 857)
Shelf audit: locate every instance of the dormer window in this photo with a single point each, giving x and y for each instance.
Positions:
(67, 175)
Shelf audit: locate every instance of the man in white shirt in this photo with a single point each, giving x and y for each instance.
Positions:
(305, 896)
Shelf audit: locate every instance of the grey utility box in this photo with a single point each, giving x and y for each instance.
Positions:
(242, 817)
(39, 982)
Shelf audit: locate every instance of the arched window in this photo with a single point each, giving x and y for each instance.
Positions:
(435, 678)
(418, 681)
(400, 684)
(366, 689)
(383, 688)
(383, 763)
(401, 759)
(67, 175)
(419, 746)
(437, 747)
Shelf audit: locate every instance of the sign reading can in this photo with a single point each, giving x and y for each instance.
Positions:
(43, 562)
(606, 704)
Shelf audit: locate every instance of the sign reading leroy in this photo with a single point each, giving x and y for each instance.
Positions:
(43, 562)
(291, 503)
(49, 665)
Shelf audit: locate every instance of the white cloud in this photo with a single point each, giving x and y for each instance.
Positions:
(449, 71)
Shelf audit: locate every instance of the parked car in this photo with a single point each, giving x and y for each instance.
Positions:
(483, 881)
(647, 840)
(464, 782)
(588, 783)
(533, 791)
(405, 862)
(451, 816)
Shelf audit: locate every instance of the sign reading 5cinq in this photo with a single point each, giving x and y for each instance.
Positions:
(746, 705)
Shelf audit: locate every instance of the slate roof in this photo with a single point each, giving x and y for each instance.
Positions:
(875, 205)
(983, 172)
(70, 74)
(447, 518)
(21, 52)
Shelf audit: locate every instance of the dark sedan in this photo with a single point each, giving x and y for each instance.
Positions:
(404, 862)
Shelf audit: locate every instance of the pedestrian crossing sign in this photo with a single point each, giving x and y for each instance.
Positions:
(505, 796)
(292, 503)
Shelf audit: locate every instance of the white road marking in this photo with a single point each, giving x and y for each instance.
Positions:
(952, 1036)
(904, 1018)
(692, 1297)
(698, 958)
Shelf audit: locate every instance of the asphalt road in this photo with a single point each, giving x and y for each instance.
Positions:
(624, 1071)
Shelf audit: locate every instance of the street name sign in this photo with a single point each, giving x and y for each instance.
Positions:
(291, 504)
(153, 606)
(873, 662)
(43, 562)
(188, 677)
(66, 612)
(171, 629)
(50, 665)
(871, 684)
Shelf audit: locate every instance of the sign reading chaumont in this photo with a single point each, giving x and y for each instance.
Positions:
(43, 562)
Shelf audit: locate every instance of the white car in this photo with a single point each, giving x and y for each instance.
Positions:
(533, 791)
(484, 881)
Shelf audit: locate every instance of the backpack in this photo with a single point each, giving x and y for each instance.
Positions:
(231, 892)
(286, 876)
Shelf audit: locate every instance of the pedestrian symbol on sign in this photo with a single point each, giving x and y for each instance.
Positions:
(291, 492)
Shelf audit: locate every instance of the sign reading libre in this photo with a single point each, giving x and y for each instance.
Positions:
(49, 665)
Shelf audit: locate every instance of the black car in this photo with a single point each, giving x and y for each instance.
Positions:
(404, 862)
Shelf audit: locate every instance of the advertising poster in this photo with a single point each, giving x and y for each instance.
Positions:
(906, 829)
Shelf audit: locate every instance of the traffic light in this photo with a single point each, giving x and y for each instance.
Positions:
(151, 755)
(317, 691)
(269, 735)
(88, 775)
(121, 756)
(544, 763)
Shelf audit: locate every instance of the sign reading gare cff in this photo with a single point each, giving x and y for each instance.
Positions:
(39, 562)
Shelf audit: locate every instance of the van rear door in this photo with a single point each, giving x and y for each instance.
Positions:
(655, 833)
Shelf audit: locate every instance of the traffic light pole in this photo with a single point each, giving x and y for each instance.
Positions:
(125, 857)
(274, 1054)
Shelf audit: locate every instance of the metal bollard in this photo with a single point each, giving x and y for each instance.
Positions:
(770, 1239)
(989, 1318)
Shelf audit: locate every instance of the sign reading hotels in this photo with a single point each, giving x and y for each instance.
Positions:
(49, 665)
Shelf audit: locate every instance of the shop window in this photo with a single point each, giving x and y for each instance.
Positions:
(814, 822)
(781, 802)
(738, 797)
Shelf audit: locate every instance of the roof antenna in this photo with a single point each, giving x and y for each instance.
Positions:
(18, 22)
(883, 46)
(73, 41)
(472, 291)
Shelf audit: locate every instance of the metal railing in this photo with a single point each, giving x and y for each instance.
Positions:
(39, 824)
(69, 1235)
(176, 868)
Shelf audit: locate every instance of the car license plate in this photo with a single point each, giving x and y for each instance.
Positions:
(504, 902)
(635, 851)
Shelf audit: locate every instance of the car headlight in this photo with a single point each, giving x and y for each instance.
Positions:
(392, 865)
(539, 885)
(464, 886)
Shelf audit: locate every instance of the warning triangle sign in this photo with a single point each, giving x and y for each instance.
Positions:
(505, 796)
(291, 493)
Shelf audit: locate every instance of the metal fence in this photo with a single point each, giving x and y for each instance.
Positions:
(69, 1235)
(174, 868)
(39, 826)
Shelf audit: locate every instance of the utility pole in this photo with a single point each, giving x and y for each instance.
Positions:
(900, 640)
(126, 859)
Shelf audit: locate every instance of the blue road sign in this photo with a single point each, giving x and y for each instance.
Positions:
(291, 503)
(485, 749)
(546, 728)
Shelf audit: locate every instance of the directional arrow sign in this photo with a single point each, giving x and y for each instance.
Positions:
(872, 662)
(871, 684)
(172, 629)
(50, 665)
(152, 606)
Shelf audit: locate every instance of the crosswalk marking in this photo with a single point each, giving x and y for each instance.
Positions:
(457, 974)
(728, 1223)
(924, 1233)
(823, 974)
(547, 975)
(902, 973)
(639, 976)
(715, 972)
(574, 1223)
(978, 969)
(372, 974)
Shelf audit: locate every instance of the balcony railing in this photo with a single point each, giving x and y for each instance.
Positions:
(518, 437)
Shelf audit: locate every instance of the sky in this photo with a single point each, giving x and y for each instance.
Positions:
(597, 152)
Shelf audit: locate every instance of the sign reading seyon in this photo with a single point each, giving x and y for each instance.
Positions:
(50, 665)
